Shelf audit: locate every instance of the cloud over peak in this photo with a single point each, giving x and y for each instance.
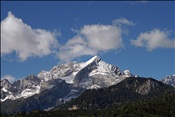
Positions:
(91, 40)
(75, 47)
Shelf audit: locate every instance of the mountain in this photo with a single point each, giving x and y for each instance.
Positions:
(22, 88)
(170, 80)
(94, 73)
(129, 90)
(59, 85)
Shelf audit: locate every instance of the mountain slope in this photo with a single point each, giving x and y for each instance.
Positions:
(22, 88)
(44, 90)
(45, 100)
(94, 73)
(128, 90)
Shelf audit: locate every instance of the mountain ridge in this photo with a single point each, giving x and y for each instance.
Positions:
(94, 73)
(129, 90)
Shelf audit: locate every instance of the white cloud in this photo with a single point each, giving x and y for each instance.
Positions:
(102, 37)
(10, 78)
(91, 40)
(154, 39)
(124, 21)
(16, 36)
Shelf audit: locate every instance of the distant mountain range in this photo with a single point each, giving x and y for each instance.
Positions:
(76, 85)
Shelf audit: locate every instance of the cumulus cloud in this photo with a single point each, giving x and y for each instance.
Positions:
(154, 39)
(102, 37)
(91, 40)
(16, 36)
(10, 78)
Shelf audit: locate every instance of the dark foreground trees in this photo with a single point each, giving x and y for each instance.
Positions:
(156, 107)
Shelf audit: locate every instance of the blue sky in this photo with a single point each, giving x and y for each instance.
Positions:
(138, 36)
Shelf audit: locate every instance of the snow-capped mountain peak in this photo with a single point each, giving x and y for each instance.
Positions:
(94, 59)
(94, 73)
